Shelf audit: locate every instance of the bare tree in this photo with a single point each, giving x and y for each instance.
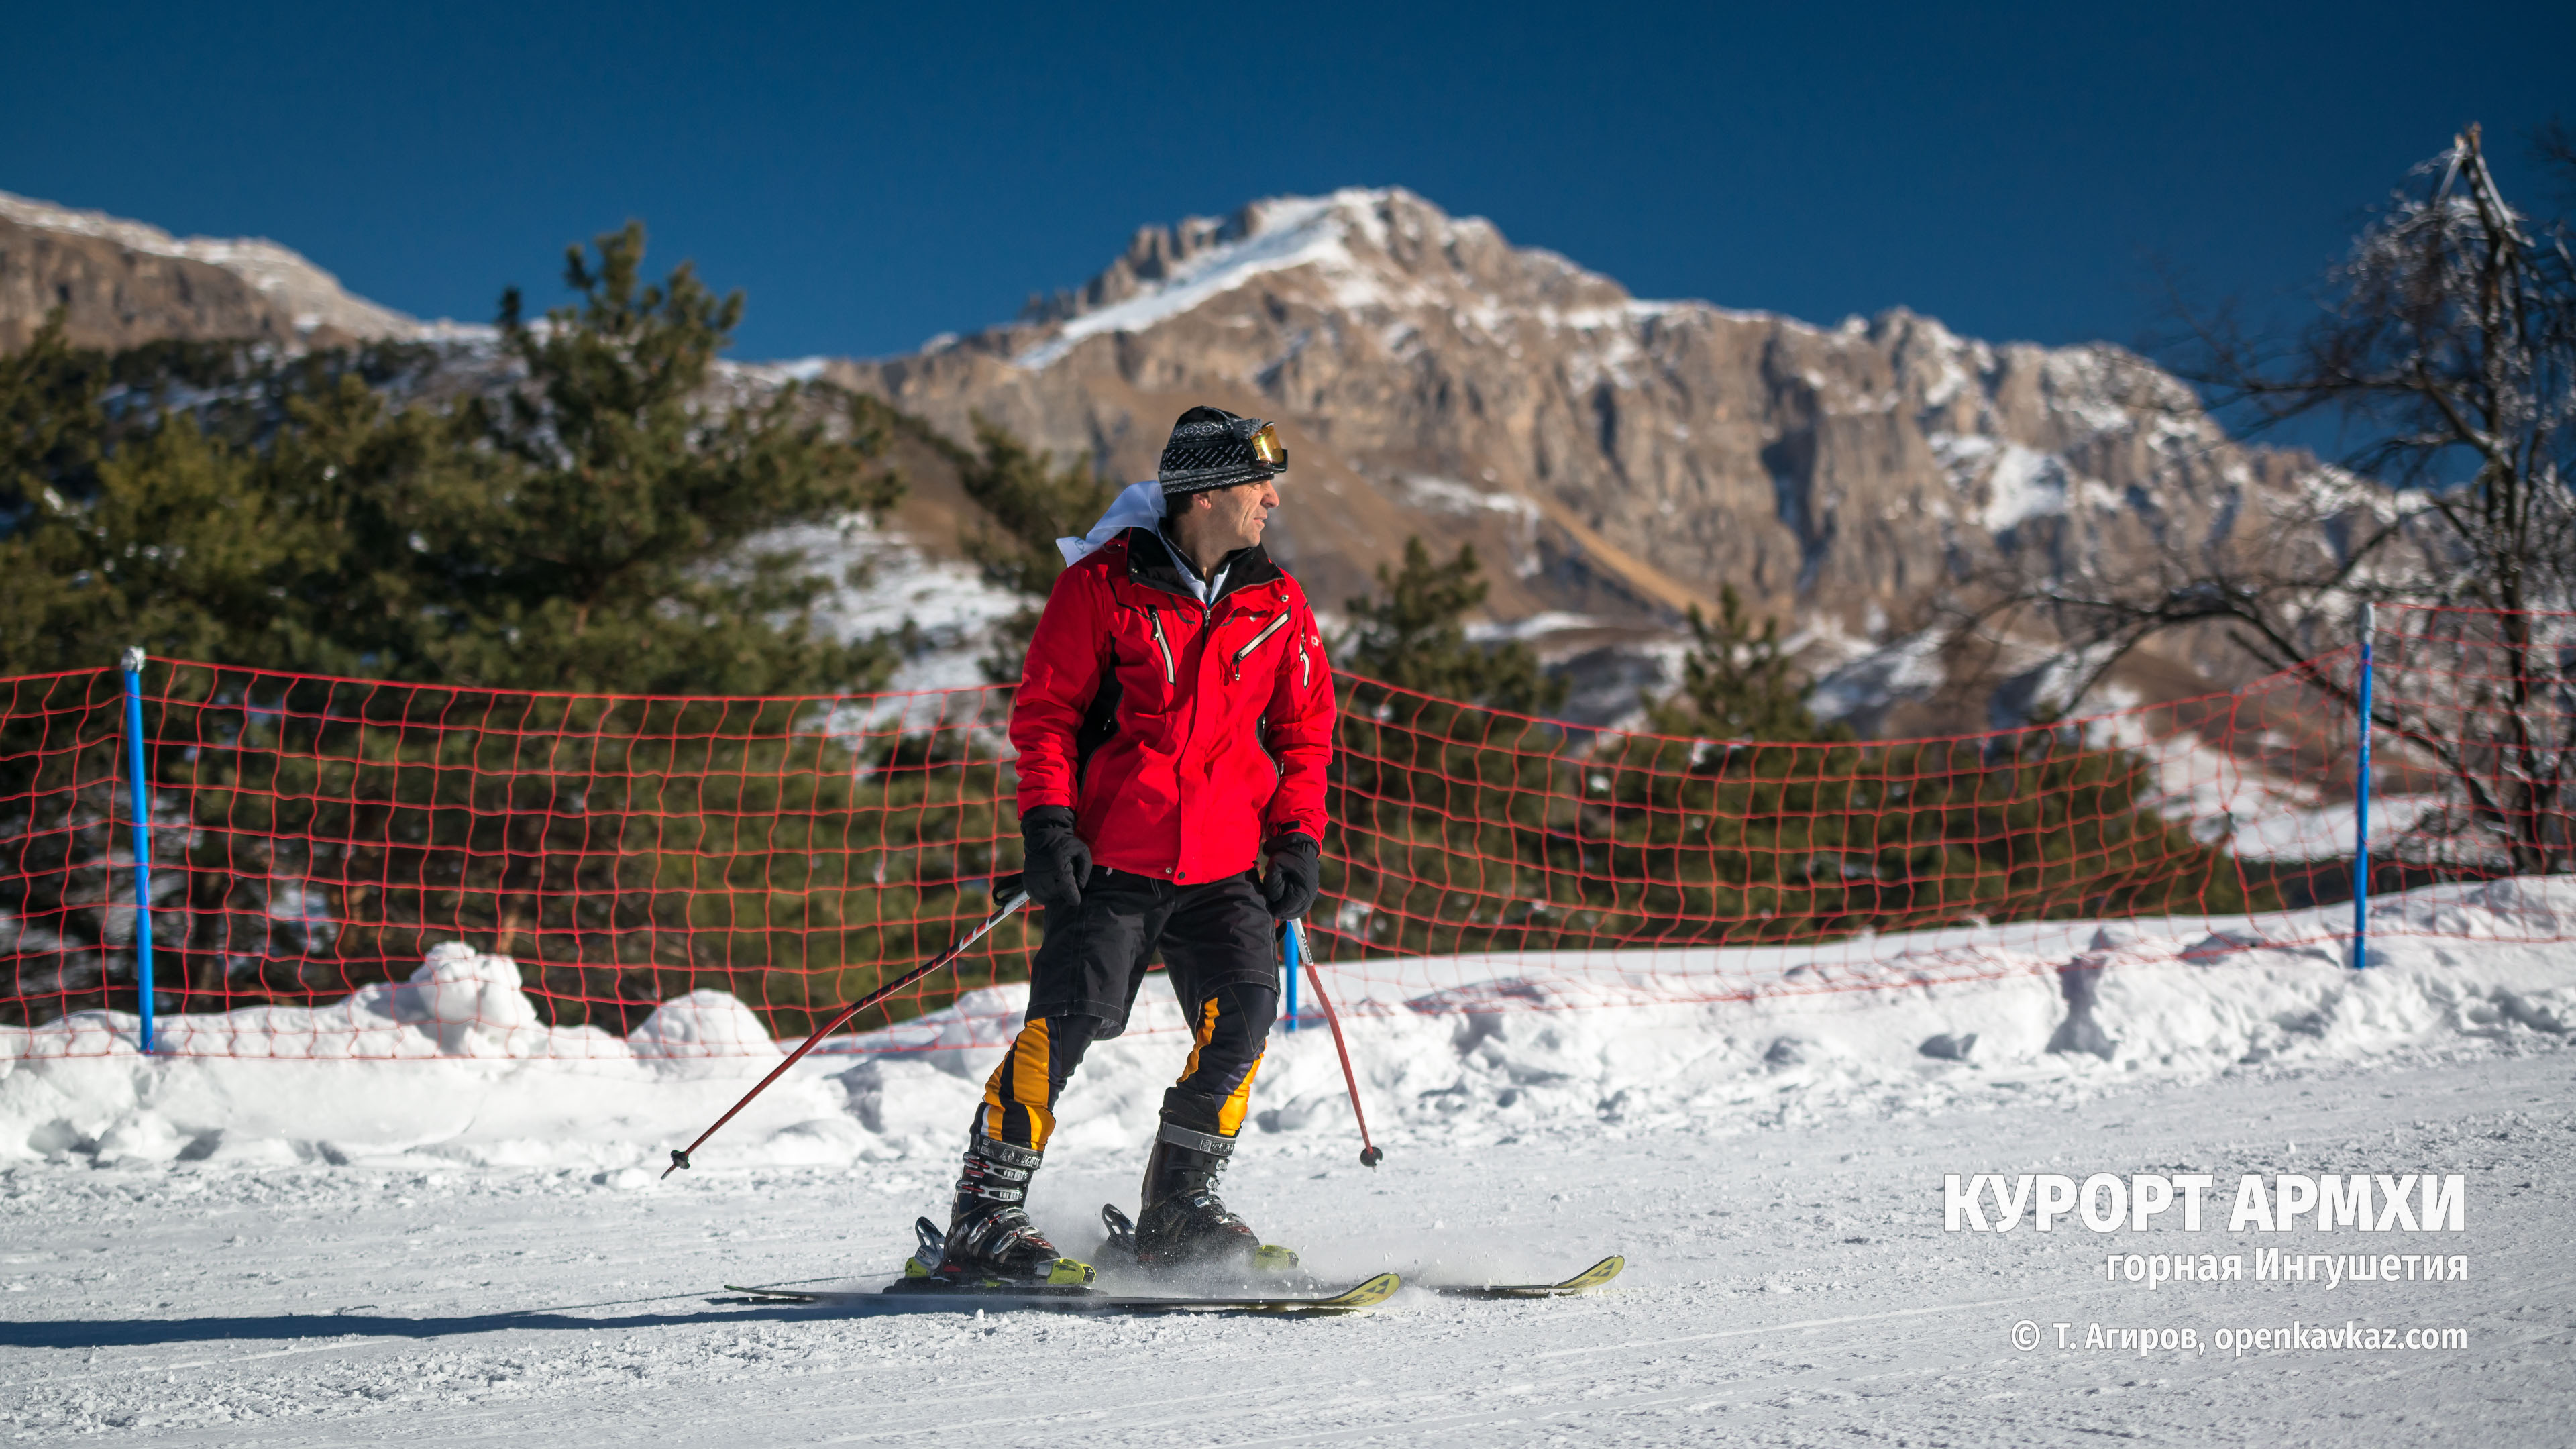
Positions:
(2447, 344)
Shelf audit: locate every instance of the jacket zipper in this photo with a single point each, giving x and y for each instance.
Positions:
(1170, 674)
(1246, 651)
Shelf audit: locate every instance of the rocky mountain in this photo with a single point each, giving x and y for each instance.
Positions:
(1615, 459)
(122, 283)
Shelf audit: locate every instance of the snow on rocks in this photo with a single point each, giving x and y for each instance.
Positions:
(1457, 1050)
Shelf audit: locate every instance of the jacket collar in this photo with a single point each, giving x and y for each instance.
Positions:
(1150, 562)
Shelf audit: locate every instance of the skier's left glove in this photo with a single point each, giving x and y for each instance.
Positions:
(1296, 868)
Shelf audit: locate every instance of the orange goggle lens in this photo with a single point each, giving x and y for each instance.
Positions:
(1267, 447)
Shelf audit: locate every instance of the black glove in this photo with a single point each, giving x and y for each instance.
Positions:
(1059, 864)
(1296, 869)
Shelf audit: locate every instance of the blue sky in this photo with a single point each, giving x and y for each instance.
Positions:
(872, 176)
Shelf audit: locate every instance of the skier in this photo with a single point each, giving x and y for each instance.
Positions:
(1173, 722)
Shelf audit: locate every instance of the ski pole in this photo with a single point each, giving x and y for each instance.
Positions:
(1005, 889)
(1370, 1156)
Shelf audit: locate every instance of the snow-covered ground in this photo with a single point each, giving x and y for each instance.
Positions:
(475, 1246)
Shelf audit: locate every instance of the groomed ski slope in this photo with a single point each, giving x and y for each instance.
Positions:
(215, 1250)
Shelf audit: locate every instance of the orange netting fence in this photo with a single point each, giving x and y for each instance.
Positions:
(315, 839)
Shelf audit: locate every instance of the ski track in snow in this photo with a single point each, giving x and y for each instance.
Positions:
(1788, 1287)
(1772, 1169)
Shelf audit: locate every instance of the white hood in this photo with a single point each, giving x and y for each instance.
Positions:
(1140, 505)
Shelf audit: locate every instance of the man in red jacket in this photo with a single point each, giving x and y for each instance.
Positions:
(1173, 722)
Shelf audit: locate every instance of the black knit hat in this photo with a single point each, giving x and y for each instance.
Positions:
(1213, 448)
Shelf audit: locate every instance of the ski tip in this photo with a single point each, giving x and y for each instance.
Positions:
(1366, 1295)
(1590, 1278)
(1596, 1275)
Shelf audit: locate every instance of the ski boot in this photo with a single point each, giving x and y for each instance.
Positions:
(1184, 1224)
(990, 1239)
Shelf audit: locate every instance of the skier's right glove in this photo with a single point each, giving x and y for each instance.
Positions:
(1059, 864)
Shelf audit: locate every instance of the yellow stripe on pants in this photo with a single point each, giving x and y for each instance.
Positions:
(1200, 1036)
(1019, 1081)
(1229, 1116)
(1229, 1113)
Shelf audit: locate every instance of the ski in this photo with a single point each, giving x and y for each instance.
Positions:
(1067, 1290)
(1118, 1246)
(1590, 1278)
(1046, 1298)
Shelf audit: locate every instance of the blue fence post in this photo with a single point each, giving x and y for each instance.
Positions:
(132, 664)
(1291, 939)
(2361, 810)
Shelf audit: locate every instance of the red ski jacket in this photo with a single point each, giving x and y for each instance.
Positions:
(1181, 734)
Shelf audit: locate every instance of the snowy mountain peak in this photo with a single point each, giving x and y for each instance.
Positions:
(1376, 250)
(123, 281)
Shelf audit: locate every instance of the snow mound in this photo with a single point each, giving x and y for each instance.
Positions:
(702, 1024)
(1472, 1049)
(465, 998)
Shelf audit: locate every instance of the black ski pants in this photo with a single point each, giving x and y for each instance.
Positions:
(1219, 947)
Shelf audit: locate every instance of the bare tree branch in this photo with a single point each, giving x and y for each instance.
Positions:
(2446, 342)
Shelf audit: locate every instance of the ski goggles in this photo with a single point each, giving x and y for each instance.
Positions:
(1265, 445)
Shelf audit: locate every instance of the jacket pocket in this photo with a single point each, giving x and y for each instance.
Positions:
(1163, 646)
(1256, 642)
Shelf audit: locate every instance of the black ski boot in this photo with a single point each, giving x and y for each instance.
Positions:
(1184, 1224)
(990, 1238)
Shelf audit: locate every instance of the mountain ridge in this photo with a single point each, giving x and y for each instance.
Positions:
(1615, 460)
(1618, 459)
(124, 282)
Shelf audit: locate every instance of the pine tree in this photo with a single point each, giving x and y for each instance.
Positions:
(1035, 502)
(1737, 684)
(630, 543)
(1414, 636)
(165, 539)
(52, 430)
